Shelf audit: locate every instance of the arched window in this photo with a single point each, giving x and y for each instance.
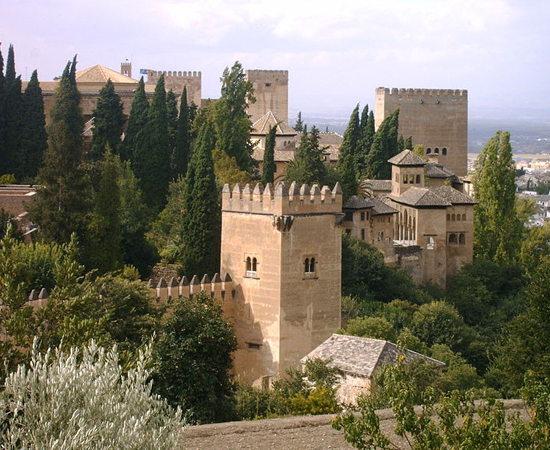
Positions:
(251, 267)
(463, 216)
(430, 245)
(380, 236)
(310, 265)
(248, 264)
(254, 265)
(436, 150)
(453, 217)
(458, 216)
(405, 179)
(418, 179)
(411, 179)
(444, 151)
(428, 151)
(462, 239)
(452, 239)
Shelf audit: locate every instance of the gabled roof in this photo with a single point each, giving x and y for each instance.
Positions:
(378, 206)
(100, 74)
(379, 185)
(361, 356)
(436, 170)
(407, 158)
(416, 196)
(452, 195)
(262, 125)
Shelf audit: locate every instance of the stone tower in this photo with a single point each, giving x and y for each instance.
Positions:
(126, 69)
(282, 249)
(176, 80)
(271, 92)
(437, 118)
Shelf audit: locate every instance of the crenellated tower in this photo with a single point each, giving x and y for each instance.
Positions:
(271, 93)
(176, 80)
(282, 249)
(437, 118)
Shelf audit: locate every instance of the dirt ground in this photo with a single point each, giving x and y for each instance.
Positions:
(295, 433)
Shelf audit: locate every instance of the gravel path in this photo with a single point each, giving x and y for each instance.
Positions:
(294, 433)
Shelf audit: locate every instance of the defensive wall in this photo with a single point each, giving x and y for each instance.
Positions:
(176, 80)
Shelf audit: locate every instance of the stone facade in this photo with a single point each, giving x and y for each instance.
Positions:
(282, 249)
(176, 80)
(271, 92)
(437, 118)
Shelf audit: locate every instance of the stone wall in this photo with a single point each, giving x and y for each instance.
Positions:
(271, 92)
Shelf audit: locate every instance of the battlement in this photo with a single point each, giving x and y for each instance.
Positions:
(281, 200)
(263, 74)
(221, 290)
(165, 292)
(407, 92)
(173, 74)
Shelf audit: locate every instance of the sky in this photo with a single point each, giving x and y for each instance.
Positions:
(336, 52)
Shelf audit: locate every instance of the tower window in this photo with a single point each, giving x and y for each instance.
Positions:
(267, 84)
(452, 239)
(310, 267)
(462, 239)
(428, 151)
(444, 151)
(418, 179)
(251, 267)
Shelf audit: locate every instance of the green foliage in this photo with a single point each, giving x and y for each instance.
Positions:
(534, 248)
(365, 275)
(136, 123)
(8, 222)
(34, 140)
(64, 200)
(108, 122)
(233, 124)
(371, 327)
(83, 399)
(268, 172)
(366, 138)
(103, 239)
(455, 422)
(193, 358)
(347, 165)
(384, 146)
(201, 223)
(307, 167)
(306, 391)
(151, 158)
(182, 148)
(172, 124)
(227, 170)
(497, 229)
(299, 125)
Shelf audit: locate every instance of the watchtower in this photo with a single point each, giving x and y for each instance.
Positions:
(437, 118)
(282, 249)
(271, 92)
(126, 69)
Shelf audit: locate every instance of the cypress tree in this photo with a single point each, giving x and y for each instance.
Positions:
(151, 161)
(12, 112)
(172, 118)
(104, 231)
(299, 125)
(182, 148)
(307, 167)
(347, 165)
(367, 137)
(409, 143)
(233, 122)
(268, 173)
(136, 122)
(201, 223)
(384, 146)
(108, 122)
(497, 228)
(3, 157)
(34, 140)
(65, 199)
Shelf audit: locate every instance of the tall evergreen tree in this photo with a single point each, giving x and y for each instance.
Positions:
(182, 149)
(384, 146)
(151, 161)
(172, 118)
(12, 112)
(136, 122)
(34, 140)
(307, 167)
(367, 137)
(233, 122)
(2, 115)
(108, 122)
(104, 231)
(201, 223)
(299, 125)
(497, 229)
(268, 169)
(65, 197)
(409, 143)
(347, 165)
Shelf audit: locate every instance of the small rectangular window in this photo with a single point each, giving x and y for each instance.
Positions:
(254, 346)
(363, 234)
(267, 84)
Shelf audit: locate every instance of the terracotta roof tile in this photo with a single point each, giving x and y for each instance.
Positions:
(420, 197)
(100, 74)
(452, 195)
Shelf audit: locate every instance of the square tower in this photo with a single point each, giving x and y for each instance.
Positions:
(282, 249)
(437, 118)
(271, 92)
